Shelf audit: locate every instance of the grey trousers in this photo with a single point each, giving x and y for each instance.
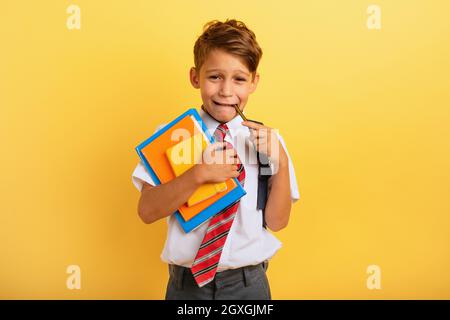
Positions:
(246, 283)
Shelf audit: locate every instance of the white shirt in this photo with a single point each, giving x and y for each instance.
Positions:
(248, 243)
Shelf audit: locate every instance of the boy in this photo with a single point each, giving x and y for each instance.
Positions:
(227, 256)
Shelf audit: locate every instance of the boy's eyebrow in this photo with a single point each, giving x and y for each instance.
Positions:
(212, 70)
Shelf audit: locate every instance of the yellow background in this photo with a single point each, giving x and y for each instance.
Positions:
(365, 115)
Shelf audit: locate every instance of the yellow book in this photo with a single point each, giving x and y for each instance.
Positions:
(184, 156)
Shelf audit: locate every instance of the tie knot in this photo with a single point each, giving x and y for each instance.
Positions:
(221, 132)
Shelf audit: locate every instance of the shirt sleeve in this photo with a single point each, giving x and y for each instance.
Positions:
(295, 195)
(140, 173)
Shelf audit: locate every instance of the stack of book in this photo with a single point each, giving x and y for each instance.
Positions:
(177, 147)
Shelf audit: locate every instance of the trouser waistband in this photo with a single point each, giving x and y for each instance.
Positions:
(181, 274)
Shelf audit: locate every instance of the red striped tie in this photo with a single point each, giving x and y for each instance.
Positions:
(207, 259)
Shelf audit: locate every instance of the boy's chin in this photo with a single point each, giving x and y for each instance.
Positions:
(223, 115)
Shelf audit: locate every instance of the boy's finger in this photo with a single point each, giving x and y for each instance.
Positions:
(230, 151)
(219, 145)
(234, 160)
(230, 159)
(252, 125)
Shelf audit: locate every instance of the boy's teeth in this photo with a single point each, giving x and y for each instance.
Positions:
(221, 104)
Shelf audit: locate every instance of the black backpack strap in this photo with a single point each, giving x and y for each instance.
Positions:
(264, 173)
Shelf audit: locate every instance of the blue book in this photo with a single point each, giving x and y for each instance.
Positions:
(152, 151)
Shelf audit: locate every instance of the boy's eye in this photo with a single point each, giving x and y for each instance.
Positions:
(216, 77)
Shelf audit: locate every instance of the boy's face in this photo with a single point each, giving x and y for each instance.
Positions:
(223, 80)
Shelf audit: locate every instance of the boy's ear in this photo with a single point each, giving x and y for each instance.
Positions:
(194, 77)
(254, 83)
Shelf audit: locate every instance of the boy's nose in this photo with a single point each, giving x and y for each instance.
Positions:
(225, 90)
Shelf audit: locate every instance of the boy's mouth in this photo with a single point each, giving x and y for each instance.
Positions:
(223, 104)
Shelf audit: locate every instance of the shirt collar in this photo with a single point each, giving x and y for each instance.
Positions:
(234, 125)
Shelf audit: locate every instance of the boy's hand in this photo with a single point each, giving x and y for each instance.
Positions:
(219, 164)
(266, 141)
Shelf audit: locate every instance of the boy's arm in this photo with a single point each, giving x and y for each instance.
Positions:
(278, 206)
(163, 200)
